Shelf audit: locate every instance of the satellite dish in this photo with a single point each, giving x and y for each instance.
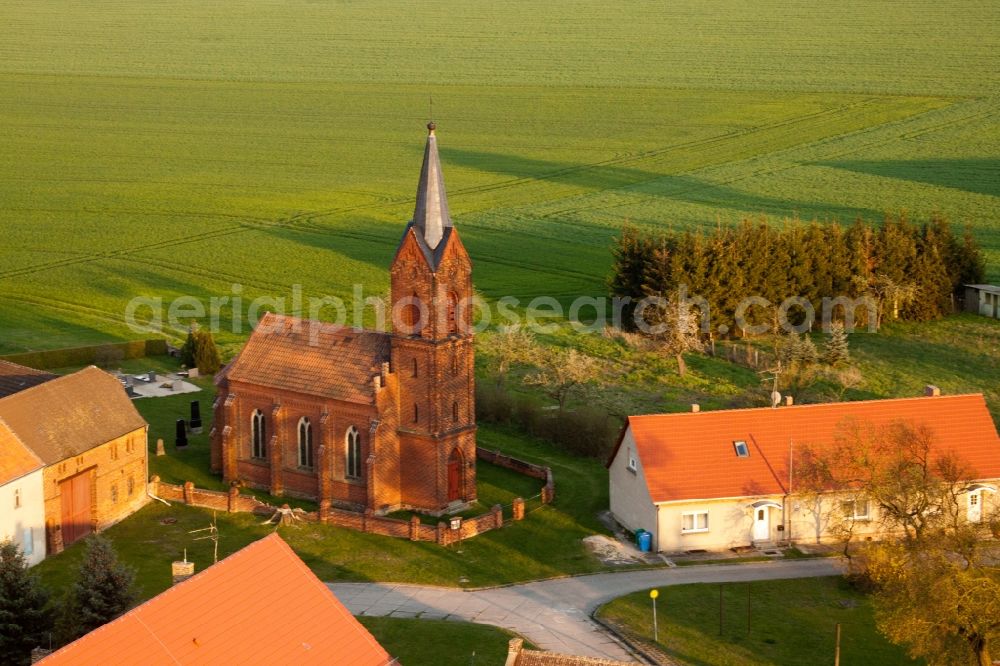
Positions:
(775, 398)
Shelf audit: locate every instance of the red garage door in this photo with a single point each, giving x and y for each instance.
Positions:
(77, 509)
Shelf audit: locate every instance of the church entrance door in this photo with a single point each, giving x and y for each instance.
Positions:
(455, 476)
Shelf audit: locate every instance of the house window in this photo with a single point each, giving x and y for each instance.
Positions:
(633, 464)
(17, 498)
(352, 442)
(28, 541)
(257, 433)
(130, 485)
(694, 521)
(114, 452)
(742, 451)
(114, 493)
(856, 509)
(305, 443)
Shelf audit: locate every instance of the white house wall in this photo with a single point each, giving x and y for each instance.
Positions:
(631, 504)
(15, 523)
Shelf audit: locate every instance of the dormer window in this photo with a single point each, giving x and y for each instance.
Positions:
(742, 451)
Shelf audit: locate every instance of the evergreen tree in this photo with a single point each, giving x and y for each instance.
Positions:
(836, 351)
(25, 618)
(632, 254)
(103, 591)
(206, 354)
(187, 351)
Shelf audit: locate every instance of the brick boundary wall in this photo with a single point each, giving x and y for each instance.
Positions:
(412, 529)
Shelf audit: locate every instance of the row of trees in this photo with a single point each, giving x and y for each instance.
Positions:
(935, 589)
(104, 589)
(910, 271)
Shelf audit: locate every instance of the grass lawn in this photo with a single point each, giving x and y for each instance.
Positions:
(440, 642)
(792, 624)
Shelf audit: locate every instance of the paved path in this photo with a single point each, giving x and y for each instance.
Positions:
(555, 614)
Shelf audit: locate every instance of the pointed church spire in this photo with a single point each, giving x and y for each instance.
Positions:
(431, 216)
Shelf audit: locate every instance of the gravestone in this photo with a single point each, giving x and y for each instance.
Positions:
(160, 450)
(196, 417)
(182, 437)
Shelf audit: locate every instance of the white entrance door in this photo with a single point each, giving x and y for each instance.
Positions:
(761, 524)
(975, 506)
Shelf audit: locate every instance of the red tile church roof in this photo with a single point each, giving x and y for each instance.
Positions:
(691, 455)
(260, 605)
(311, 357)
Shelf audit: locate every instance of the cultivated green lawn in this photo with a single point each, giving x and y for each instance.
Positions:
(440, 642)
(180, 148)
(792, 624)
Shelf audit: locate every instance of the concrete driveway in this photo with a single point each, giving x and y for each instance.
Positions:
(555, 614)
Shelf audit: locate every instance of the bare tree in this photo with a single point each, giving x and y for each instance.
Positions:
(674, 324)
(887, 294)
(563, 373)
(936, 590)
(509, 345)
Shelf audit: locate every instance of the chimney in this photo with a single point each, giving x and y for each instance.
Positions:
(181, 571)
(789, 401)
(932, 391)
(378, 383)
(695, 408)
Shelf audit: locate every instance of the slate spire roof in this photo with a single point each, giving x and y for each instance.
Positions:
(430, 217)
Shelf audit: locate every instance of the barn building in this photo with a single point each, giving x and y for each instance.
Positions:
(364, 419)
(82, 451)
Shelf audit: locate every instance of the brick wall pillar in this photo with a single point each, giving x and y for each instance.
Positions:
(232, 501)
(497, 512)
(228, 441)
(442, 534)
(518, 508)
(414, 528)
(188, 492)
(324, 510)
(275, 450)
(325, 474)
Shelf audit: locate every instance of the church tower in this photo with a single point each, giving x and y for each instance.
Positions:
(432, 352)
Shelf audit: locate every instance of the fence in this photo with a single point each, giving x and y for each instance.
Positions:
(61, 358)
(412, 529)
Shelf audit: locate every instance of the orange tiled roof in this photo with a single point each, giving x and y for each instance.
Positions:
(260, 605)
(70, 414)
(16, 459)
(311, 357)
(691, 455)
(14, 377)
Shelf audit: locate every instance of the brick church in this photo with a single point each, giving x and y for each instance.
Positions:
(363, 419)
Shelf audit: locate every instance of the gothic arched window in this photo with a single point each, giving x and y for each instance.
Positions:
(258, 433)
(352, 442)
(452, 312)
(305, 443)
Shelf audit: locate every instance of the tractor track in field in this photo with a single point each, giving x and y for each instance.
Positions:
(302, 221)
(556, 216)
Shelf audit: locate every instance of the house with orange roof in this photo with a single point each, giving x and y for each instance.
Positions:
(726, 479)
(22, 499)
(82, 437)
(260, 605)
(365, 420)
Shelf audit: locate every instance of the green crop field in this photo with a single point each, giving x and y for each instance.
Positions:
(181, 147)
